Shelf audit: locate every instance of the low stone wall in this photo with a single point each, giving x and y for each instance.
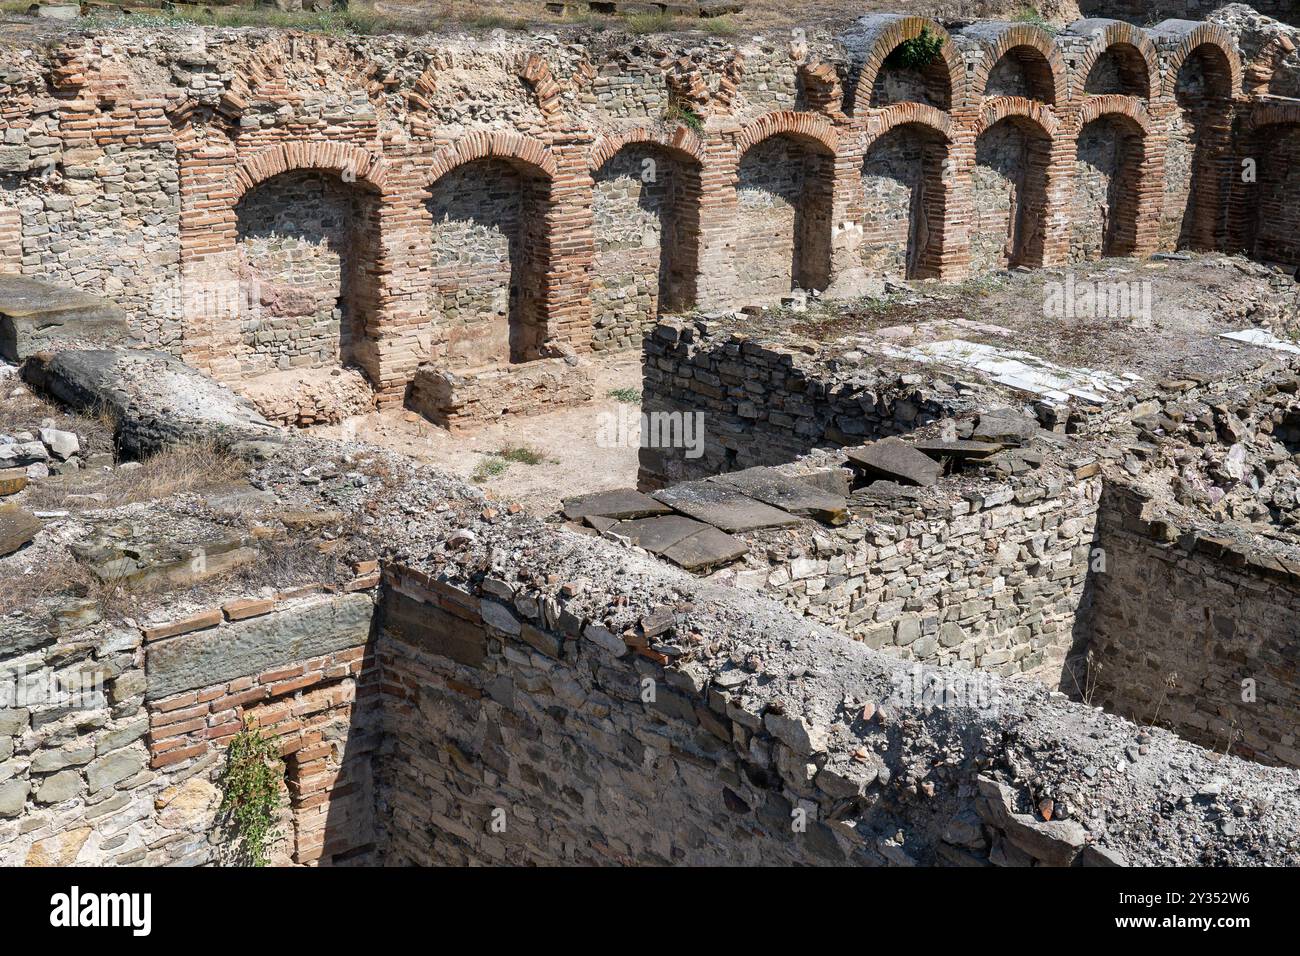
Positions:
(310, 397)
(765, 405)
(1196, 633)
(465, 399)
(112, 738)
(529, 727)
(995, 577)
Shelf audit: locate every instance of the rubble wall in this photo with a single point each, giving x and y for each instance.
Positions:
(998, 578)
(760, 406)
(535, 722)
(127, 772)
(1198, 634)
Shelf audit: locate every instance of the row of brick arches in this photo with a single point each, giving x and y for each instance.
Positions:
(497, 246)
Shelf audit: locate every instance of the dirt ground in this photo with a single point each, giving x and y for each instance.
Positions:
(539, 461)
(564, 445)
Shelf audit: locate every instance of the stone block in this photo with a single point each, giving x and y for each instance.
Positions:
(310, 629)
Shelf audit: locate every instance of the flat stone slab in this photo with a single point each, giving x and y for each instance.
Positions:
(659, 533)
(789, 494)
(156, 399)
(705, 549)
(895, 460)
(17, 527)
(1006, 426)
(723, 507)
(203, 658)
(620, 503)
(1022, 371)
(684, 541)
(40, 316)
(958, 449)
(1263, 339)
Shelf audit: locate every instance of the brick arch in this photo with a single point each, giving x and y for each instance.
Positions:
(1013, 36)
(1025, 213)
(1035, 112)
(1107, 34)
(1260, 69)
(887, 31)
(338, 158)
(1272, 114)
(1133, 186)
(1130, 108)
(920, 114)
(682, 142)
(491, 144)
(806, 127)
(1210, 35)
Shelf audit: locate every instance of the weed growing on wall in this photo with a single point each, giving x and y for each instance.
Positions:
(679, 112)
(916, 53)
(251, 794)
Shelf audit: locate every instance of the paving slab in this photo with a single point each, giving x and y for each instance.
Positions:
(895, 460)
(789, 494)
(1263, 339)
(723, 507)
(620, 503)
(658, 533)
(962, 450)
(705, 549)
(1006, 426)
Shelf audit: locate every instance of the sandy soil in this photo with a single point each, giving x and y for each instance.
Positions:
(572, 461)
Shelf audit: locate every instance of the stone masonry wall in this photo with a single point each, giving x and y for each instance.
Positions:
(126, 153)
(484, 259)
(997, 579)
(128, 772)
(1192, 633)
(295, 234)
(527, 731)
(760, 407)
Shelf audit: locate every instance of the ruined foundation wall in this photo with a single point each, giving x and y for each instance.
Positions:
(1196, 634)
(129, 773)
(760, 406)
(998, 579)
(530, 727)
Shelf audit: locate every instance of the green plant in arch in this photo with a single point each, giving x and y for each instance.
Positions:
(251, 794)
(917, 52)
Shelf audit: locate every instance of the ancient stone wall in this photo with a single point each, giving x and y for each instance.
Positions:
(997, 578)
(1197, 634)
(760, 407)
(132, 161)
(113, 737)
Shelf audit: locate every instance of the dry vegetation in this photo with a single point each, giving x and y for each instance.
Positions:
(24, 411)
(183, 468)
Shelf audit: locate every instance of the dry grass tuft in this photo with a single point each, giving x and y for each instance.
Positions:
(181, 468)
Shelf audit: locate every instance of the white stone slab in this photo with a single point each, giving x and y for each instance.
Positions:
(1261, 338)
(1019, 370)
